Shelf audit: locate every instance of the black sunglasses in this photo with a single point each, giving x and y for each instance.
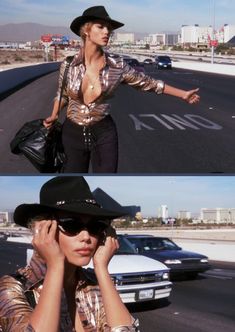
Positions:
(73, 226)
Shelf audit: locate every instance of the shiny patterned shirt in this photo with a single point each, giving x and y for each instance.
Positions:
(15, 309)
(114, 72)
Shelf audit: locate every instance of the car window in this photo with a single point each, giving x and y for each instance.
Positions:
(125, 247)
(148, 244)
(164, 58)
(132, 62)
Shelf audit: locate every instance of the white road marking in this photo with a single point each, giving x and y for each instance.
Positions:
(220, 274)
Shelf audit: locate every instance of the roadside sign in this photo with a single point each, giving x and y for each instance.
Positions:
(214, 43)
(46, 38)
(60, 39)
(171, 221)
(55, 39)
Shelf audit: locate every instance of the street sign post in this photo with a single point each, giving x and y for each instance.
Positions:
(46, 41)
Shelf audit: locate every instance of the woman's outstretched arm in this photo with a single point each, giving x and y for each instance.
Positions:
(190, 96)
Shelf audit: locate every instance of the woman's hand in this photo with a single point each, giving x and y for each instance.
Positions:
(106, 249)
(45, 243)
(48, 122)
(191, 96)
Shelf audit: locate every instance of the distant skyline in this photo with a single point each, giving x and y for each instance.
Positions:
(146, 16)
(178, 192)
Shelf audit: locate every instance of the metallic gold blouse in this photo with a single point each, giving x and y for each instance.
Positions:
(114, 72)
(15, 309)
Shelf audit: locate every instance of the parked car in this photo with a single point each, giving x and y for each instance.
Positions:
(135, 64)
(148, 61)
(136, 277)
(163, 61)
(180, 262)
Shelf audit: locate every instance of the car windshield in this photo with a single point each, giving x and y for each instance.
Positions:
(132, 62)
(150, 244)
(164, 58)
(125, 247)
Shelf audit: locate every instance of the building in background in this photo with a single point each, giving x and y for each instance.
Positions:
(6, 217)
(218, 215)
(229, 32)
(184, 214)
(162, 39)
(124, 38)
(163, 212)
(194, 34)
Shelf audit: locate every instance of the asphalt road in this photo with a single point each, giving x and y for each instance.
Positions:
(157, 134)
(203, 305)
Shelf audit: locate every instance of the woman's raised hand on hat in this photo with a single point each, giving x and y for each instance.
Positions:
(45, 243)
(106, 249)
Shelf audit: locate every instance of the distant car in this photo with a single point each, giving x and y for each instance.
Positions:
(137, 278)
(148, 61)
(134, 63)
(163, 61)
(180, 262)
(3, 236)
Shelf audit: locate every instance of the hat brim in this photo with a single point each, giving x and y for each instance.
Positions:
(79, 21)
(24, 212)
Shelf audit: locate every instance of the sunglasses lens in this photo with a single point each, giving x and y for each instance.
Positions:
(96, 228)
(69, 226)
(74, 226)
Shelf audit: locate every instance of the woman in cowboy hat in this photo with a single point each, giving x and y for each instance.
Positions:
(89, 132)
(54, 293)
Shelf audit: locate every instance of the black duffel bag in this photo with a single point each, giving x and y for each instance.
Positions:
(41, 146)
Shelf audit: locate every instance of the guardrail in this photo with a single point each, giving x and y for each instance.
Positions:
(11, 78)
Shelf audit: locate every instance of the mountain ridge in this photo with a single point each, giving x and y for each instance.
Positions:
(29, 31)
(23, 32)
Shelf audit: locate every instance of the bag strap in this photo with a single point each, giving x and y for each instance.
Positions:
(69, 59)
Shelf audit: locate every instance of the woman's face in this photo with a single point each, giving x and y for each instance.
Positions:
(79, 248)
(99, 33)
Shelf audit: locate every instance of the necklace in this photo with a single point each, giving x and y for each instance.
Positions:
(92, 85)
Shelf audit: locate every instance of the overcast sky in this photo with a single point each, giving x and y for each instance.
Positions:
(178, 192)
(138, 15)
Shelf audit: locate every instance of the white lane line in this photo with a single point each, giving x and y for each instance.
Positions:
(220, 274)
(216, 277)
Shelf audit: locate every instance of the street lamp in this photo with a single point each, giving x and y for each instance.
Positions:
(213, 41)
(171, 220)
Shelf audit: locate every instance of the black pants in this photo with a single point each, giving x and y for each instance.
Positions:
(97, 144)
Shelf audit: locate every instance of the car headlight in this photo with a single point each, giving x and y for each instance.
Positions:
(165, 276)
(204, 260)
(172, 261)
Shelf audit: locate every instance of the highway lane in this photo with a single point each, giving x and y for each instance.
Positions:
(203, 305)
(157, 134)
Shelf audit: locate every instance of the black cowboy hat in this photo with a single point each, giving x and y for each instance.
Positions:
(70, 194)
(92, 14)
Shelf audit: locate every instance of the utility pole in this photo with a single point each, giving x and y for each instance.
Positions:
(213, 35)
